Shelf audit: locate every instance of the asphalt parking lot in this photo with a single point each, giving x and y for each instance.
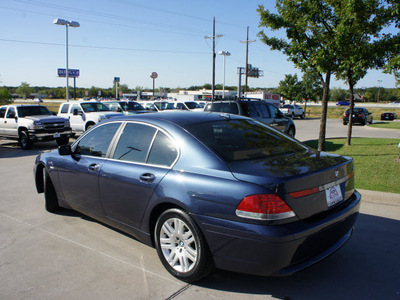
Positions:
(68, 255)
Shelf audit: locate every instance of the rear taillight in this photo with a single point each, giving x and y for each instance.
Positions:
(264, 207)
(360, 115)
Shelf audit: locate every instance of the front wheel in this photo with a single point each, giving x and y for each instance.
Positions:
(24, 140)
(302, 116)
(181, 246)
(291, 132)
(50, 195)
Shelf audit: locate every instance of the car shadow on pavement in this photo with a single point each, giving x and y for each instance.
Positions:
(367, 267)
(11, 149)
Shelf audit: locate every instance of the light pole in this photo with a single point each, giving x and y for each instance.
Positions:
(379, 88)
(67, 24)
(225, 54)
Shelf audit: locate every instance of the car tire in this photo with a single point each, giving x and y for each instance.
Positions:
(181, 246)
(62, 141)
(292, 116)
(344, 123)
(90, 125)
(302, 116)
(291, 132)
(24, 140)
(50, 195)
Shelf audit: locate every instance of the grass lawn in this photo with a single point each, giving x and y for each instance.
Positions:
(384, 124)
(375, 166)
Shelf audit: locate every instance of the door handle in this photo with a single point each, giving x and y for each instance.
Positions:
(147, 177)
(94, 167)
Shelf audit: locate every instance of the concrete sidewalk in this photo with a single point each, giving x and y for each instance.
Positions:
(380, 197)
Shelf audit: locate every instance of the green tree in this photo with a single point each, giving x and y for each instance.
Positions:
(357, 36)
(310, 87)
(338, 94)
(309, 44)
(290, 87)
(24, 90)
(5, 96)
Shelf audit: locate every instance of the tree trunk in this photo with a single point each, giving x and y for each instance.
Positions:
(322, 125)
(350, 125)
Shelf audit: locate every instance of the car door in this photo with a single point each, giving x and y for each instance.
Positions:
(2, 119)
(11, 123)
(77, 119)
(142, 157)
(279, 121)
(78, 174)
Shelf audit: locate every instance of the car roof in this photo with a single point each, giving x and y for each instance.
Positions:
(180, 118)
(21, 105)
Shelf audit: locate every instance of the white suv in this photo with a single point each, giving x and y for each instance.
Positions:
(84, 114)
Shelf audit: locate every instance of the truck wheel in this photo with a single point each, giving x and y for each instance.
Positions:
(302, 116)
(24, 140)
(50, 195)
(62, 141)
(88, 126)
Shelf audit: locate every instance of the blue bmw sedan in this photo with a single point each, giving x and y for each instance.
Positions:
(207, 190)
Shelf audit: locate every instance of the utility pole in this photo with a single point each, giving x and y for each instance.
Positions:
(247, 41)
(213, 37)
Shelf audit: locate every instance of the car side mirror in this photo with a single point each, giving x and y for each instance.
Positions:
(75, 112)
(65, 150)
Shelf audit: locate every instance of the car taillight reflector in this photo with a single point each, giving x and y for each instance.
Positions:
(264, 207)
(304, 193)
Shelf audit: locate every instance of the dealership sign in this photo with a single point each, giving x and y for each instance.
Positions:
(71, 72)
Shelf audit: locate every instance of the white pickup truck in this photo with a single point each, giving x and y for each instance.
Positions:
(33, 123)
(84, 114)
(292, 111)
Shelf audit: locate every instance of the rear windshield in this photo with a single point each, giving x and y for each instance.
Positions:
(131, 106)
(25, 111)
(225, 107)
(238, 140)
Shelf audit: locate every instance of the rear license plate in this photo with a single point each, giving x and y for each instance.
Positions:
(56, 135)
(333, 195)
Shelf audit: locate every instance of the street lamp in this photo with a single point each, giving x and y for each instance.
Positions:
(225, 54)
(67, 24)
(379, 88)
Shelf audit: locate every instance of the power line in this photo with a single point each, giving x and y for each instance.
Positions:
(104, 48)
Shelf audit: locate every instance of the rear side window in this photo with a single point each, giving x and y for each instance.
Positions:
(163, 151)
(250, 109)
(134, 143)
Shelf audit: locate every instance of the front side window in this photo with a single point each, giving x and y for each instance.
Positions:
(275, 113)
(97, 141)
(134, 143)
(64, 108)
(11, 113)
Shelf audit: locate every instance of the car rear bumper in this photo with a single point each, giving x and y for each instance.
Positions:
(279, 249)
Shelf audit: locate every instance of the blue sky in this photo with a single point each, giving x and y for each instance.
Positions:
(131, 38)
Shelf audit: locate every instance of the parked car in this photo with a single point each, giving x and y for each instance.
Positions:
(293, 111)
(85, 114)
(29, 124)
(149, 105)
(37, 100)
(343, 103)
(388, 116)
(207, 190)
(164, 105)
(262, 111)
(360, 116)
(126, 107)
(187, 105)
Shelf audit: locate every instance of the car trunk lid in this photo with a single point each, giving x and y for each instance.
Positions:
(310, 183)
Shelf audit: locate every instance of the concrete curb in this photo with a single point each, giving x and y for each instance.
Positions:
(380, 197)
